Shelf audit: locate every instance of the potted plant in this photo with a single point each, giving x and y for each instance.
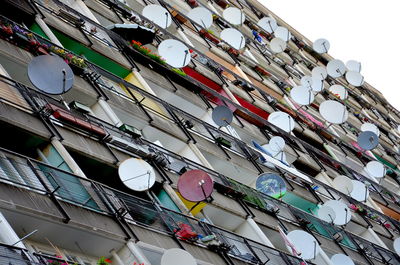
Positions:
(209, 34)
(224, 142)
(103, 261)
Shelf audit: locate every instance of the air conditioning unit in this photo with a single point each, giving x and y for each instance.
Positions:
(128, 146)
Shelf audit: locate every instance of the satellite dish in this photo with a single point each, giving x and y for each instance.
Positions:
(354, 78)
(195, 185)
(177, 256)
(222, 116)
(319, 72)
(333, 111)
(375, 169)
(367, 140)
(268, 24)
(396, 245)
(306, 81)
(277, 144)
(343, 184)
(326, 214)
(370, 127)
(360, 191)
(282, 33)
(317, 84)
(136, 174)
(302, 95)
(321, 46)
(282, 120)
(341, 259)
(305, 243)
(271, 184)
(50, 74)
(353, 66)
(339, 91)
(277, 45)
(175, 53)
(233, 37)
(201, 16)
(234, 16)
(158, 15)
(335, 68)
(342, 212)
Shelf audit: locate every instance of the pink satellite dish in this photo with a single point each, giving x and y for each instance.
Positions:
(195, 185)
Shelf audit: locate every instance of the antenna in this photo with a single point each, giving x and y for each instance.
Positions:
(321, 46)
(174, 52)
(136, 174)
(234, 16)
(233, 37)
(158, 15)
(201, 16)
(268, 24)
(50, 74)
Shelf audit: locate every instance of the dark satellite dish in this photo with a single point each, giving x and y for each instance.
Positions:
(368, 140)
(222, 116)
(50, 74)
(195, 185)
(134, 32)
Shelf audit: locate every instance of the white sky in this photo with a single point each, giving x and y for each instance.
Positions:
(364, 30)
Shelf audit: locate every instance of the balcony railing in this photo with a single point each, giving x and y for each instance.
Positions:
(42, 178)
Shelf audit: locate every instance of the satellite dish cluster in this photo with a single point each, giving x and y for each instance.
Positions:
(281, 34)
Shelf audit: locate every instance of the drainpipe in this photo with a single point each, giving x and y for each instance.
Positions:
(67, 157)
(143, 82)
(264, 239)
(184, 37)
(199, 155)
(171, 193)
(116, 259)
(230, 95)
(137, 252)
(109, 112)
(7, 233)
(47, 30)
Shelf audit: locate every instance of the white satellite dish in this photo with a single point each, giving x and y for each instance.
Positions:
(319, 72)
(277, 144)
(321, 46)
(282, 120)
(157, 14)
(233, 37)
(339, 91)
(336, 68)
(333, 111)
(355, 78)
(136, 174)
(326, 214)
(360, 191)
(306, 81)
(370, 127)
(201, 16)
(341, 259)
(396, 245)
(304, 243)
(375, 169)
(268, 24)
(317, 84)
(343, 184)
(353, 66)
(177, 256)
(277, 45)
(234, 15)
(175, 53)
(282, 33)
(343, 214)
(302, 95)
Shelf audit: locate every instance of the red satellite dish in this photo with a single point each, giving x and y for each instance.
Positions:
(195, 185)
